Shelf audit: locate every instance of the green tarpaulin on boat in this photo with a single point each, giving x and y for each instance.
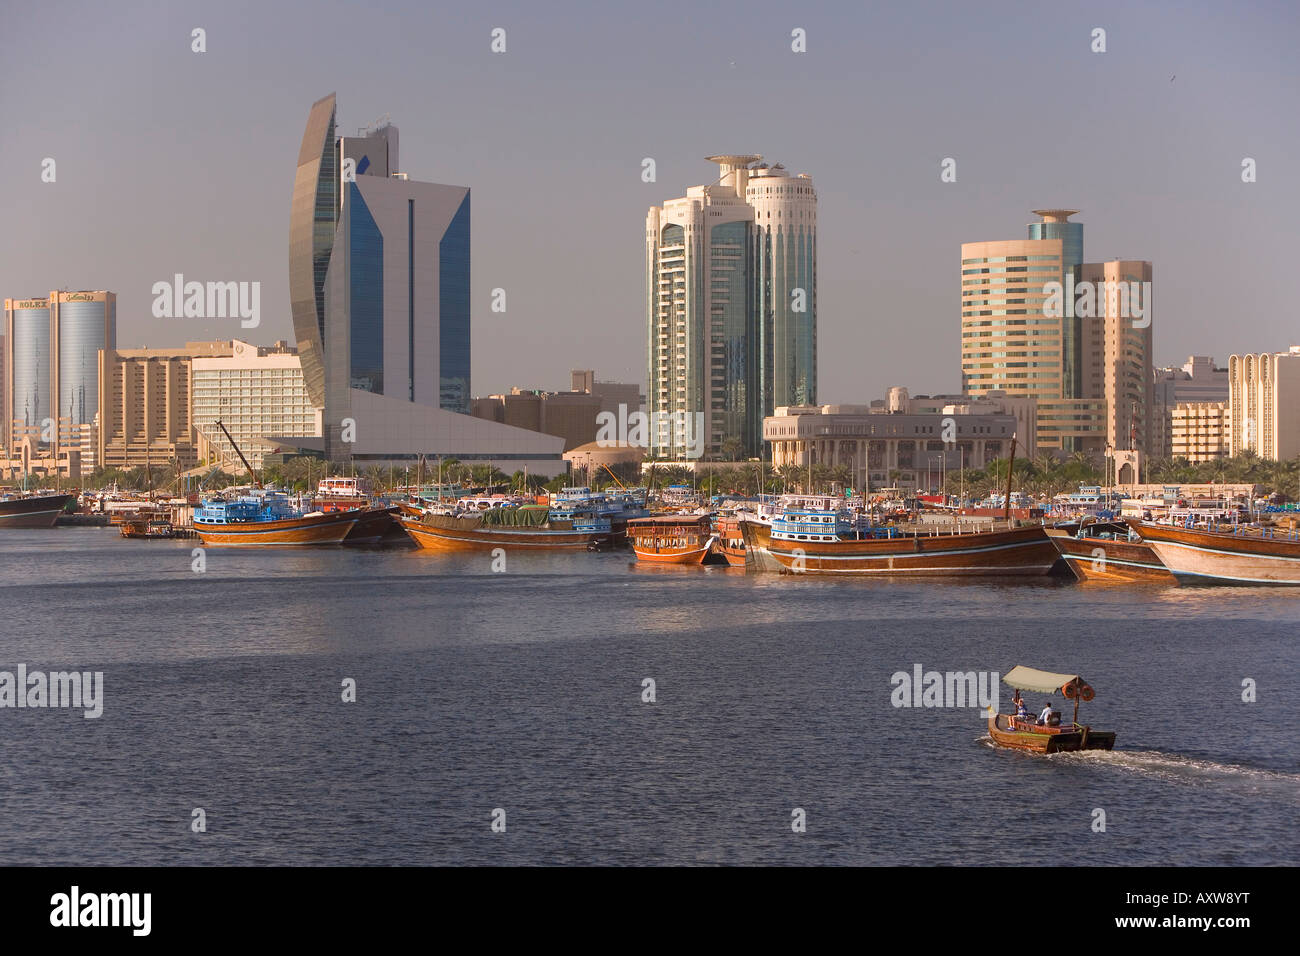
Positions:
(525, 516)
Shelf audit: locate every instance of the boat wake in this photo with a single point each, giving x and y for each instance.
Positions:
(1172, 767)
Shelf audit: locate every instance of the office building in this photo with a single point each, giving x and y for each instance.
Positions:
(1198, 431)
(611, 394)
(1197, 381)
(379, 283)
(52, 366)
(1037, 321)
(886, 449)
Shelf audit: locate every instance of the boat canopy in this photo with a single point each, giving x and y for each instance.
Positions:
(1043, 682)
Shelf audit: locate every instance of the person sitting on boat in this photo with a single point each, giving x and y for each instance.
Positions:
(1022, 712)
(1050, 716)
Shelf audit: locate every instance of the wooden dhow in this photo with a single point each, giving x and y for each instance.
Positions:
(672, 538)
(1013, 552)
(1105, 553)
(1242, 555)
(527, 527)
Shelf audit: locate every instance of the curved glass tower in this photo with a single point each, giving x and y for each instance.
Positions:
(312, 222)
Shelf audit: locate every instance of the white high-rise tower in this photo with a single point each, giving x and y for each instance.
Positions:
(731, 308)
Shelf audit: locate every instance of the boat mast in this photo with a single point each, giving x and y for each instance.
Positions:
(230, 438)
(1006, 507)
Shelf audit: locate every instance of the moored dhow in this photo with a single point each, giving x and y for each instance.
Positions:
(1106, 552)
(528, 527)
(1241, 555)
(32, 511)
(268, 519)
(813, 542)
(672, 539)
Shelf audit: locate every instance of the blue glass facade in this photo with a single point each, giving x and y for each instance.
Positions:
(730, 308)
(1071, 236)
(82, 330)
(30, 348)
(366, 295)
(453, 312)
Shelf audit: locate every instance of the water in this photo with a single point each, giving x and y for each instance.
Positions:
(522, 691)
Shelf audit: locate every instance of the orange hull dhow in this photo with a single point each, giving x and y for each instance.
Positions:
(731, 540)
(672, 539)
(477, 532)
(1240, 556)
(1115, 559)
(322, 529)
(1017, 552)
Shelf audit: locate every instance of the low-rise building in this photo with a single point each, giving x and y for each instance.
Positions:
(883, 449)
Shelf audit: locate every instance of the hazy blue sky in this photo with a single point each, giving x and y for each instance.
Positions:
(172, 161)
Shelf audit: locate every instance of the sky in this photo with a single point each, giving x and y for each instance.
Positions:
(168, 160)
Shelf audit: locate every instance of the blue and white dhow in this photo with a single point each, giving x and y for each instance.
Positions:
(807, 541)
(269, 518)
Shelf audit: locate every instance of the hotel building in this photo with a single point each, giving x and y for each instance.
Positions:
(255, 392)
(379, 283)
(731, 307)
(1264, 404)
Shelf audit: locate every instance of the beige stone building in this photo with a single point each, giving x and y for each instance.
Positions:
(1198, 431)
(570, 415)
(1198, 380)
(1264, 404)
(144, 403)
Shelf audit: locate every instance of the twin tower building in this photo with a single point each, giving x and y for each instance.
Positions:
(731, 278)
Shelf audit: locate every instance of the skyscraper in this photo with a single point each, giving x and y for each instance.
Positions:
(54, 359)
(379, 283)
(731, 307)
(1086, 362)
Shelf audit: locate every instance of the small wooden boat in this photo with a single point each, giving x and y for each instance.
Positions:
(672, 539)
(1243, 555)
(1019, 733)
(1104, 552)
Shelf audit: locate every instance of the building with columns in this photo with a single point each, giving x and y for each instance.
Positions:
(883, 449)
